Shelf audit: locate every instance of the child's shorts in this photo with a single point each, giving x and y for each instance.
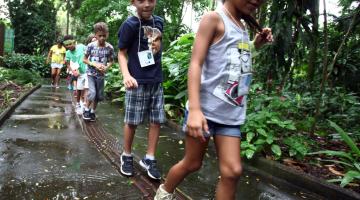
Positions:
(145, 101)
(222, 129)
(56, 65)
(217, 129)
(73, 78)
(82, 82)
(96, 88)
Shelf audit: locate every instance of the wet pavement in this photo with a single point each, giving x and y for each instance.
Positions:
(44, 155)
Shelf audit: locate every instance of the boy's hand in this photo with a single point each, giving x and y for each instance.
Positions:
(197, 125)
(262, 38)
(130, 82)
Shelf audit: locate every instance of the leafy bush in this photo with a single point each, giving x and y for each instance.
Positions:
(19, 76)
(175, 64)
(266, 123)
(25, 61)
(299, 146)
(114, 87)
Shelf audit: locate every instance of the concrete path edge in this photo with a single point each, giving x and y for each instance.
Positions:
(8, 111)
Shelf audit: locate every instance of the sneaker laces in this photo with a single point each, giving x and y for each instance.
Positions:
(152, 164)
(128, 159)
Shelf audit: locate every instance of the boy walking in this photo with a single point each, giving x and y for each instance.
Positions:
(74, 62)
(140, 63)
(99, 56)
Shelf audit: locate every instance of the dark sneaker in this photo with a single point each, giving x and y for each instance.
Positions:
(86, 115)
(150, 166)
(92, 117)
(126, 167)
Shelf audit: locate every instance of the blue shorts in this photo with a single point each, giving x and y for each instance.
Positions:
(145, 101)
(222, 129)
(217, 129)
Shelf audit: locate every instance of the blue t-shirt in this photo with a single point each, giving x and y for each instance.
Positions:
(98, 54)
(128, 36)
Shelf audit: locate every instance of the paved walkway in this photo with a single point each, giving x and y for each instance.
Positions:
(45, 155)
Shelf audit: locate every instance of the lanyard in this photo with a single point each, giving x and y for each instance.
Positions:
(144, 32)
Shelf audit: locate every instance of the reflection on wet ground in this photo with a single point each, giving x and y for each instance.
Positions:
(44, 155)
(253, 185)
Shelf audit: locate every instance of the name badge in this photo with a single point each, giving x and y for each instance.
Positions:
(146, 58)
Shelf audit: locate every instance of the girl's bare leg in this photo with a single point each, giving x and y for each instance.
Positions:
(192, 161)
(228, 151)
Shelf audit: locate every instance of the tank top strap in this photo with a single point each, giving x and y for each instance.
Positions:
(224, 17)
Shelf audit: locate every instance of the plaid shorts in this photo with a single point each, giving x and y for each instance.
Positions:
(145, 101)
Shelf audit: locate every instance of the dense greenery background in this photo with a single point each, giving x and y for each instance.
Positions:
(306, 87)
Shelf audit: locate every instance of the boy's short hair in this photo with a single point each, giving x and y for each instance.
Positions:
(101, 27)
(68, 37)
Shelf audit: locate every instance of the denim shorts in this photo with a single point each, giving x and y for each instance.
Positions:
(145, 101)
(222, 129)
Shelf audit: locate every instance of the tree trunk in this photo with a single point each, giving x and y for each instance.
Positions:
(325, 68)
(67, 16)
(315, 41)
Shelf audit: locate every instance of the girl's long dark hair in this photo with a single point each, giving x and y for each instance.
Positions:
(250, 20)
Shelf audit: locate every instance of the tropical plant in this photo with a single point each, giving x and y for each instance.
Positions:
(25, 61)
(19, 76)
(114, 87)
(350, 161)
(266, 123)
(176, 61)
(299, 146)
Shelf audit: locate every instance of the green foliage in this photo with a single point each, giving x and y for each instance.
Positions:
(266, 123)
(19, 76)
(34, 24)
(25, 61)
(114, 87)
(350, 161)
(299, 146)
(175, 66)
(343, 108)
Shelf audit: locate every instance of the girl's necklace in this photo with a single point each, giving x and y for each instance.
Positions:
(233, 18)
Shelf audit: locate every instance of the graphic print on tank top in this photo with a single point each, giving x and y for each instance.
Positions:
(234, 87)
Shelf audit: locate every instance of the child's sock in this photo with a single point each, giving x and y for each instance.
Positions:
(126, 154)
(86, 109)
(92, 111)
(149, 157)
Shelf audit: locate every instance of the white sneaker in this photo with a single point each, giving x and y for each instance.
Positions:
(79, 110)
(162, 194)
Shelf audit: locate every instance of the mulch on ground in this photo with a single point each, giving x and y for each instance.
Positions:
(9, 93)
(325, 170)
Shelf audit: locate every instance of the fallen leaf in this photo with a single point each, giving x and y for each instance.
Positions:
(334, 171)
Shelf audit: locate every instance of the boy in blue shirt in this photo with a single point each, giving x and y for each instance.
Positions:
(99, 56)
(140, 63)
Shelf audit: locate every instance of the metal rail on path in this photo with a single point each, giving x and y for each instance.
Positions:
(109, 146)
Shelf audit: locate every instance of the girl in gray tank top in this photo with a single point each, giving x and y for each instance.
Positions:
(218, 81)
